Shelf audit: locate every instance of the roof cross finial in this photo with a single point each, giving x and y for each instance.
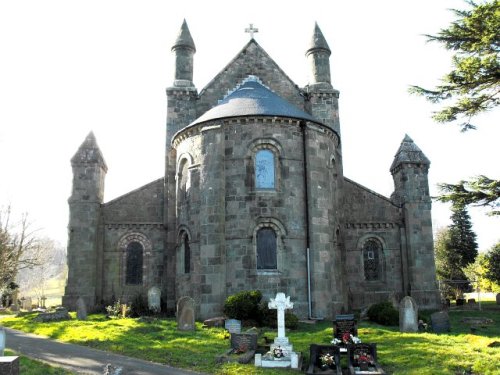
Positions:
(251, 30)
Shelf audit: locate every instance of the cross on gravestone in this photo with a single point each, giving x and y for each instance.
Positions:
(251, 30)
(280, 303)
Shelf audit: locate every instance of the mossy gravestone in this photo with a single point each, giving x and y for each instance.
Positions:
(440, 322)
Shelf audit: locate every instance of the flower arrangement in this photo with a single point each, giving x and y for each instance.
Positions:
(327, 359)
(347, 338)
(278, 352)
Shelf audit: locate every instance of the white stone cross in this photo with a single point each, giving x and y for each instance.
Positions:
(281, 303)
(252, 30)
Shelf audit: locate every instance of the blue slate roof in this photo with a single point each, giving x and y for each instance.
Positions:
(252, 98)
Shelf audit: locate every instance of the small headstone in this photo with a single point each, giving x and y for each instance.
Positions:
(440, 322)
(154, 299)
(408, 315)
(471, 301)
(258, 360)
(498, 298)
(185, 314)
(344, 326)
(233, 325)
(27, 304)
(81, 309)
(362, 359)
(9, 365)
(243, 342)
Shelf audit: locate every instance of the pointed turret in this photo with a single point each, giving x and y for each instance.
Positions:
(409, 153)
(89, 153)
(411, 192)
(184, 50)
(318, 55)
(84, 235)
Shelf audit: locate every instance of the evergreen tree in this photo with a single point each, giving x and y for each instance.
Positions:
(462, 237)
(472, 87)
(493, 264)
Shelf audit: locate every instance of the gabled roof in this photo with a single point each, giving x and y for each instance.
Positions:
(252, 98)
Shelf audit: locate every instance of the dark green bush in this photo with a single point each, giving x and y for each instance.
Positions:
(244, 305)
(384, 313)
(270, 318)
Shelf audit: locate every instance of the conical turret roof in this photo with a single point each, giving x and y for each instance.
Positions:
(318, 41)
(89, 152)
(252, 98)
(409, 153)
(184, 38)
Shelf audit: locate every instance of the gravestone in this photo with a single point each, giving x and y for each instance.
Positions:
(185, 314)
(498, 298)
(362, 359)
(408, 315)
(233, 325)
(281, 353)
(9, 365)
(154, 299)
(440, 322)
(324, 359)
(344, 326)
(81, 309)
(244, 342)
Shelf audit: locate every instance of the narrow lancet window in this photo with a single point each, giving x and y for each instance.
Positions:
(371, 259)
(266, 249)
(134, 263)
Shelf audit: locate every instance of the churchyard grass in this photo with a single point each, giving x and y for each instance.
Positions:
(398, 353)
(31, 367)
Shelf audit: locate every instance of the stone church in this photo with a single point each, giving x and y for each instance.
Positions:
(253, 197)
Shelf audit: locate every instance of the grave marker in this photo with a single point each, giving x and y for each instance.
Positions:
(233, 325)
(408, 315)
(81, 309)
(440, 322)
(185, 314)
(154, 299)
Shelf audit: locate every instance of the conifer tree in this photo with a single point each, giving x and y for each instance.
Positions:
(470, 88)
(462, 237)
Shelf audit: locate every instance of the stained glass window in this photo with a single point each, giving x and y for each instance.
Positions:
(134, 263)
(266, 249)
(371, 257)
(264, 170)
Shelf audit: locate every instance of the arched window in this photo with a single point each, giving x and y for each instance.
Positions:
(184, 183)
(134, 261)
(266, 249)
(264, 169)
(187, 255)
(372, 252)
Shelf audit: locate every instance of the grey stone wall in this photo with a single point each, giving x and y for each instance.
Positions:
(370, 215)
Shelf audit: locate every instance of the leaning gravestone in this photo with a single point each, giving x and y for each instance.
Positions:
(81, 309)
(154, 299)
(185, 314)
(440, 322)
(408, 315)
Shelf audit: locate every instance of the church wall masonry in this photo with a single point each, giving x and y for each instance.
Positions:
(253, 183)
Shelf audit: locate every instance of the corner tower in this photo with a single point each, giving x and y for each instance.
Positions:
(84, 236)
(411, 192)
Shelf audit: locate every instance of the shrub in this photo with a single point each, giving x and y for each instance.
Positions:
(384, 313)
(270, 318)
(244, 305)
(139, 306)
(118, 310)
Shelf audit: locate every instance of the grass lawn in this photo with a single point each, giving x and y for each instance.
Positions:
(399, 353)
(30, 367)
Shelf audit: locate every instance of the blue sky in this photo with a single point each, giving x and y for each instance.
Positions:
(69, 67)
